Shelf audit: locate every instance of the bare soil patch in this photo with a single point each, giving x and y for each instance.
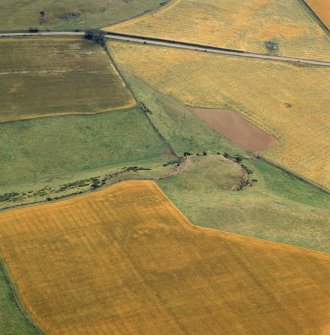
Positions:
(236, 128)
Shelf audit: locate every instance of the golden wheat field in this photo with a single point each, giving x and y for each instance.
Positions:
(289, 102)
(243, 25)
(124, 260)
(322, 10)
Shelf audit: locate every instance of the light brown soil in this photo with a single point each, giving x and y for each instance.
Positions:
(236, 128)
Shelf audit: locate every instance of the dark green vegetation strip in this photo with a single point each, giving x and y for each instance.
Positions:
(12, 320)
(54, 76)
(277, 207)
(69, 14)
(40, 156)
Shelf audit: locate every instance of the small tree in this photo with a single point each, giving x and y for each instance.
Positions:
(33, 30)
(96, 35)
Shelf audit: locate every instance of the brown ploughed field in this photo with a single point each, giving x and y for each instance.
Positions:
(236, 128)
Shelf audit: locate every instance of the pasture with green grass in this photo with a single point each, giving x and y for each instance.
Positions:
(277, 207)
(62, 153)
(69, 14)
(54, 76)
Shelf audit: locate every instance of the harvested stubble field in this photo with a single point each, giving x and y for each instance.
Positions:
(69, 14)
(125, 261)
(242, 25)
(53, 76)
(283, 99)
(321, 9)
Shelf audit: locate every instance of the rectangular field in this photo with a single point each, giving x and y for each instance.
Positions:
(125, 261)
(242, 25)
(290, 102)
(54, 76)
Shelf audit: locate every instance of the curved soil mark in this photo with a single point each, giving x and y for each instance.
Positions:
(236, 128)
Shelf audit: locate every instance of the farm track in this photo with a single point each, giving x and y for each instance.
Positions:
(176, 44)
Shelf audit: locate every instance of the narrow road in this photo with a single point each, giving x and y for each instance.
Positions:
(175, 44)
(204, 48)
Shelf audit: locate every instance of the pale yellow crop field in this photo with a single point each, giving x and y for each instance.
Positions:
(322, 10)
(288, 101)
(125, 261)
(242, 25)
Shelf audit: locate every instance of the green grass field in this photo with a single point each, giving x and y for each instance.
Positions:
(12, 321)
(43, 154)
(54, 76)
(278, 207)
(16, 14)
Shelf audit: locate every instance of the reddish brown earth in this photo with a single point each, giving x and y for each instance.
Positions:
(236, 128)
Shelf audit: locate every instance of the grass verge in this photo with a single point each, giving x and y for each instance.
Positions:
(12, 320)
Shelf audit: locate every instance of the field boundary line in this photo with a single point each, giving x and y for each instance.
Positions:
(18, 299)
(240, 236)
(181, 165)
(180, 45)
(135, 17)
(294, 174)
(189, 224)
(112, 59)
(68, 115)
(314, 15)
(211, 49)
